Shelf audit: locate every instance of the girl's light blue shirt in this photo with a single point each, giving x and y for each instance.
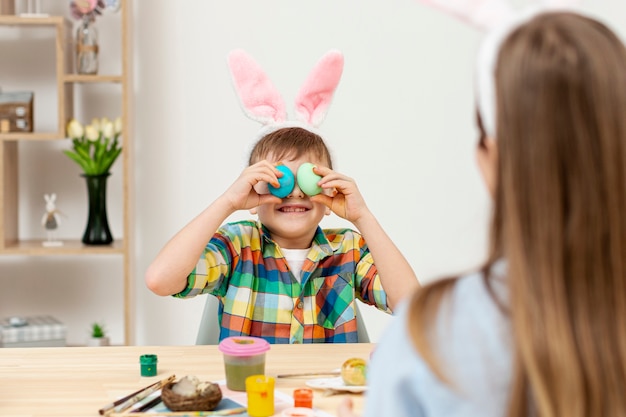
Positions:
(472, 342)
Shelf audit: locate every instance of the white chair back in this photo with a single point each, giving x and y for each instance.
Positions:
(209, 330)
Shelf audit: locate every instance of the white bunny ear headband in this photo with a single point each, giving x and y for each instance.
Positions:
(498, 19)
(262, 102)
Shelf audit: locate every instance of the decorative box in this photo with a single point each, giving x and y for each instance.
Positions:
(39, 331)
(16, 112)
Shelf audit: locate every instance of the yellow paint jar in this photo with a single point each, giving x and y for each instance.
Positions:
(260, 390)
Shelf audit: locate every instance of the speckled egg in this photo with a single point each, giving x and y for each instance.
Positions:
(354, 371)
(286, 183)
(307, 179)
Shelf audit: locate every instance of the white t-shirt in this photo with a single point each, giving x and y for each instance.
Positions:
(295, 259)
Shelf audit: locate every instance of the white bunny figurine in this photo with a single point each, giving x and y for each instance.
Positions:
(51, 220)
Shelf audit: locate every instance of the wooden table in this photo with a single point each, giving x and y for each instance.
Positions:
(78, 381)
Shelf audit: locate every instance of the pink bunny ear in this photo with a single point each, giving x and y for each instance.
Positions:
(316, 93)
(259, 98)
(484, 14)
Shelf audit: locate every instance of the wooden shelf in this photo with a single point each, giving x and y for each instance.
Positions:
(30, 136)
(17, 20)
(59, 33)
(79, 78)
(70, 247)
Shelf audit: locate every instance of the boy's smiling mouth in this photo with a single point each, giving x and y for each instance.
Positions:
(293, 209)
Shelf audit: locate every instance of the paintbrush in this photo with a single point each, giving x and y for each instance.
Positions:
(147, 405)
(126, 402)
(121, 400)
(335, 372)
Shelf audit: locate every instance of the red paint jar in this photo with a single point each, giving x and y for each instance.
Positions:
(303, 397)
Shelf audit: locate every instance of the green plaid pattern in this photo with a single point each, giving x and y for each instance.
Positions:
(259, 296)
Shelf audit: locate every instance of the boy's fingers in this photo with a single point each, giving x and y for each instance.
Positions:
(324, 199)
(321, 170)
(337, 204)
(268, 198)
(261, 188)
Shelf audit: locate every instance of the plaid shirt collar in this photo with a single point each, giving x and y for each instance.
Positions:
(323, 247)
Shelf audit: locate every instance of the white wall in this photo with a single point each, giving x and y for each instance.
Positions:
(392, 126)
(401, 124)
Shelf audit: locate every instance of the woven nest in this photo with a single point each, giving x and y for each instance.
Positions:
(207, 401)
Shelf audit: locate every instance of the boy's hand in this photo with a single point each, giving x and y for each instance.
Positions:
(346, 200)
(242, 194)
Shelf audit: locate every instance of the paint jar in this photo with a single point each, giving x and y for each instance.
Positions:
(148, 364)
(244, 356)
(260, 391)
(303, 398)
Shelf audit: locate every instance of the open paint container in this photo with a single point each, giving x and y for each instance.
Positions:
(244, 356)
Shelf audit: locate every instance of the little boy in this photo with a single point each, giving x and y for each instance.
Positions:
(282, 277)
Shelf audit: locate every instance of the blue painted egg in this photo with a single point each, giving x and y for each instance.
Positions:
(285, 183)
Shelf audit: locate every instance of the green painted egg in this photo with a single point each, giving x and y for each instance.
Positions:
(307, 179)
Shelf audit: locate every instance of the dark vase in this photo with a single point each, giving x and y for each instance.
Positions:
(97, 231)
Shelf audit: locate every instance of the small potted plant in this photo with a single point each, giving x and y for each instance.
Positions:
(98, 335)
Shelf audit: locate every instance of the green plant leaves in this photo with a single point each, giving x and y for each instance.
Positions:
(95, 157)
(97, 330)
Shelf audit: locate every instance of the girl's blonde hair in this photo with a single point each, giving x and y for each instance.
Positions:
(559, 218)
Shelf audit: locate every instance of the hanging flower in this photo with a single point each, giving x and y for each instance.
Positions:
(95, 147)
(86, 9)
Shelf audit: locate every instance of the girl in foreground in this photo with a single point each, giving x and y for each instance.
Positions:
(541, 329)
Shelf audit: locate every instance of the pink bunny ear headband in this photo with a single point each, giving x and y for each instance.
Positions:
(498, 19)
(262, 102)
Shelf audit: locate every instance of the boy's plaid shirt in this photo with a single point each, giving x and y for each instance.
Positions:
(246, 270)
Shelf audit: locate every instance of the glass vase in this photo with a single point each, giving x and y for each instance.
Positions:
(97, 231)
(86, 47)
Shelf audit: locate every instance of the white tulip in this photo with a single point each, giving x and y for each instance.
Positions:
(103, 122)
(118, 125)
(95, 122)
(75, 129)
(92, 133)
(108, 129)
